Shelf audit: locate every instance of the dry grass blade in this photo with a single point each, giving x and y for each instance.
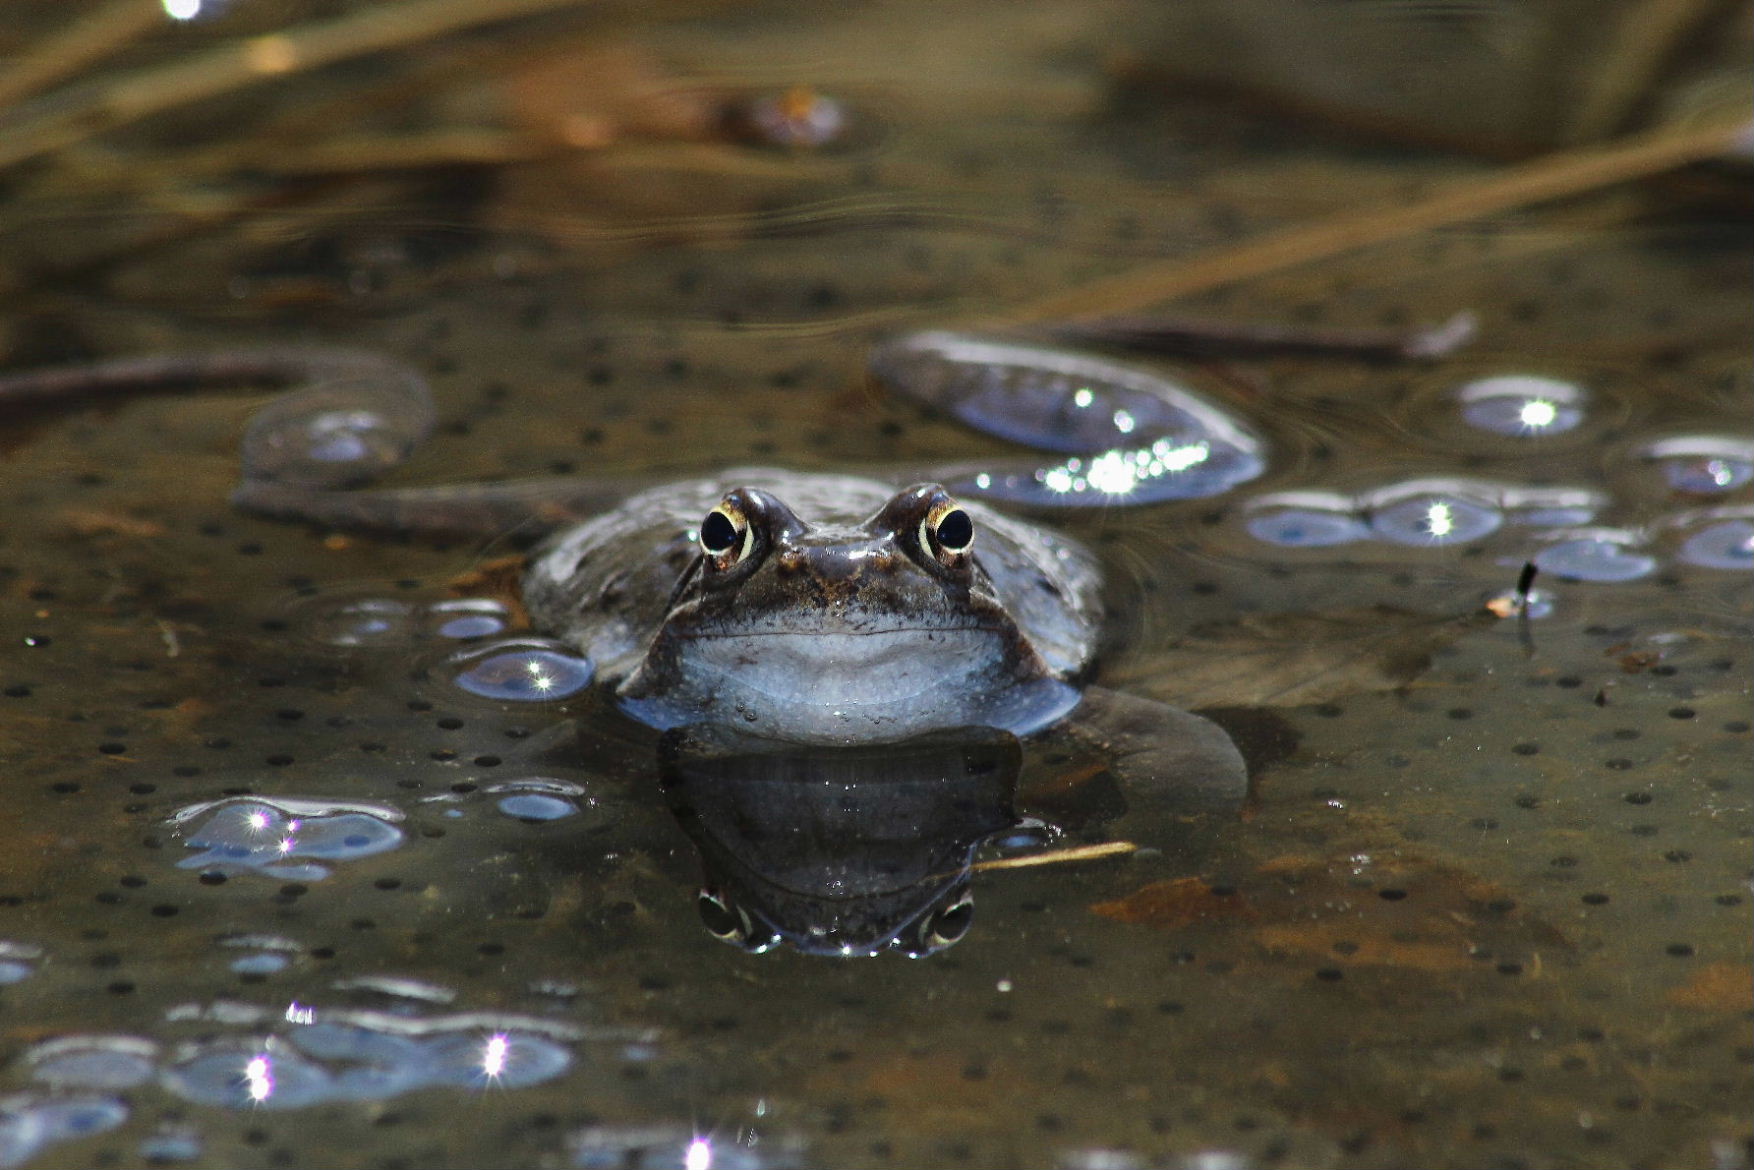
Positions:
(64, 54)
(1057, 856)
(130, 98)
(1553, 176)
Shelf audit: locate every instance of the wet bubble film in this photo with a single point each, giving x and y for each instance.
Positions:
(306, 866)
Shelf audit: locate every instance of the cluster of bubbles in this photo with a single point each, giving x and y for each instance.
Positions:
(284, 838)
(308, 1056)
(1419, 513)
(1563, 536)
(365, 1056)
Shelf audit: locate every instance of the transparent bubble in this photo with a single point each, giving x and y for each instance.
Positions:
(194, 10)
(1551, 507)
(273, 838)
(1704, 465)
(1431, 512)
(391, 622)
(171, 1144)
(30, 1124)
(354, 416)
(18, 961)
(1725, 544)
(250, 1076)
(1134, 435)
(528, 672)
(262, 963)
(1522, 404)
(1305, 520)
(1603, 555)
(372, 621)
(672, 1147)
(474, 617)
(536, 806)
(93, 1062)
(508, 1059)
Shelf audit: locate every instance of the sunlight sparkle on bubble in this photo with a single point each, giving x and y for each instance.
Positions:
(493, 1056)
(259, 1078)
(1537, 413)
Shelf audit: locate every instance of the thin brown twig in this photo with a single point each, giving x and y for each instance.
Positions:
(1553, 176)
(150, 91)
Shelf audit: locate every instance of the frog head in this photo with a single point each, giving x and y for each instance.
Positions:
(839, 633)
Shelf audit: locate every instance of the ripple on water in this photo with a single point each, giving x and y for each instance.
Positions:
(528, 670)
(284, 838)
(30, 1124)
(1522, 405)
(355, 1055)
(1703, 465)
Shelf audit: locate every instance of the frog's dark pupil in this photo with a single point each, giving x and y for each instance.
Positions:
(719, 919)
(955, 530)
(717, 533)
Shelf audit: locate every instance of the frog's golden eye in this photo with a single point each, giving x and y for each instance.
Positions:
(726, 536)
(947, 533)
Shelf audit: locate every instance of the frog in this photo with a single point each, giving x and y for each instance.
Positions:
(807, 607)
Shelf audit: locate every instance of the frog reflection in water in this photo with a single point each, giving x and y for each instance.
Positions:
(811, 608)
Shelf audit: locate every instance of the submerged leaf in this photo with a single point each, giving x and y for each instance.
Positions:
(1293, 659)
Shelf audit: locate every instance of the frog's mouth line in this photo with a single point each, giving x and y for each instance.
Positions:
(817, 632)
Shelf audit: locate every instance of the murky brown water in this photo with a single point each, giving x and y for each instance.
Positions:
(1496, 915)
